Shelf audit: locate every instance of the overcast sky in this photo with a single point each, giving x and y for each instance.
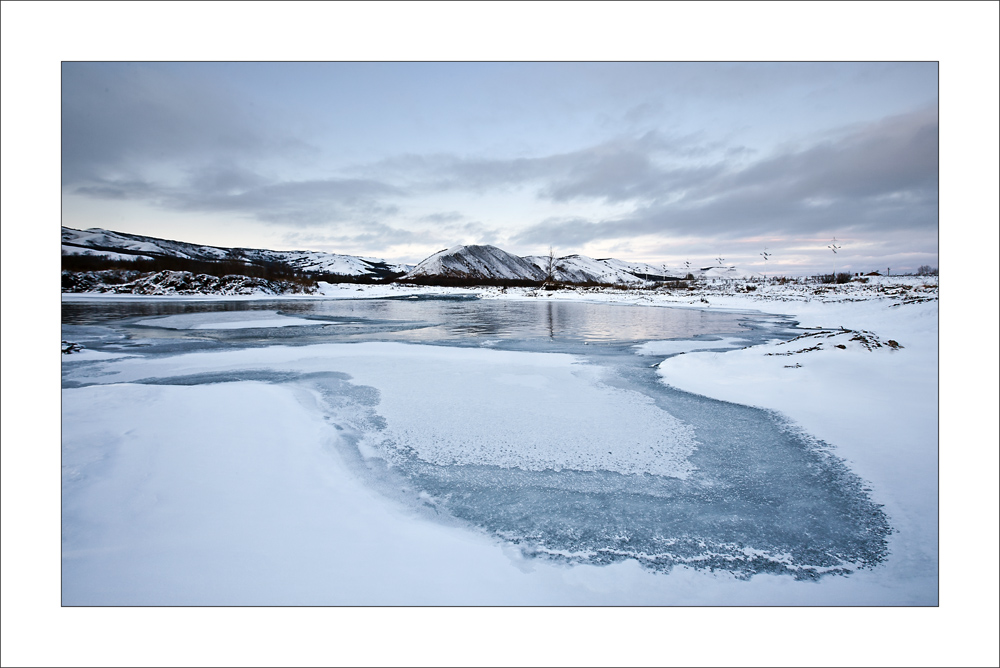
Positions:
(658, 162)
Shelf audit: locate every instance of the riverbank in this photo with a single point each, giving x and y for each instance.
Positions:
(902, 288)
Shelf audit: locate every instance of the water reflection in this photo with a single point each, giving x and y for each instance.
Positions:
(461, 321)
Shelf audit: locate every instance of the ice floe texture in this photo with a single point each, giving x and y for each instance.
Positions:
(532, 411)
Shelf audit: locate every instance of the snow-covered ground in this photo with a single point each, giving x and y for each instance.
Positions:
(252, 497)
(967, 464)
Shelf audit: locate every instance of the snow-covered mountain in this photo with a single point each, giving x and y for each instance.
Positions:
(583, 269)
(477, 262)
(460, 262)
(490, 262)
(118, 245)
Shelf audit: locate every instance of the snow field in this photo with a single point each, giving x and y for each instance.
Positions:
(241, 502)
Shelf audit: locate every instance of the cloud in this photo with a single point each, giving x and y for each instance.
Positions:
(621, 169)
(184, 141)
(119, 190)
(224, 177)
(893, 155)
(363, 235)
(568, 232)
(873, 178)
(377, 235)
(243, 192)
(442, 217)
(271, 199)
(472, 232)
(118, 118)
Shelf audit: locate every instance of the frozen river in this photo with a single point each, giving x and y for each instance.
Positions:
(542, 424)
(452, 320)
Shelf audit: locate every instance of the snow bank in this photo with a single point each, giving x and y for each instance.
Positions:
(242, 502)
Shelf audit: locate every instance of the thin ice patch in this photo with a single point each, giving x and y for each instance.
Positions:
(226, 320)
(527, 417)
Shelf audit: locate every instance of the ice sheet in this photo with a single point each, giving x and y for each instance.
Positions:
(688, 345)
(237, 320)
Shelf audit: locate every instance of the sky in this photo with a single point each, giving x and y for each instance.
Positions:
(662, 162)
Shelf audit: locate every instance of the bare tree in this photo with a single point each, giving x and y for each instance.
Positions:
(550, 265)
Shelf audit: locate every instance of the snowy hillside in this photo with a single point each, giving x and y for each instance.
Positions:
(76, 242)
(117, 245)
(477, 262)
(459, 262)
(583, 269)
(640, 269)
(491, 262)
